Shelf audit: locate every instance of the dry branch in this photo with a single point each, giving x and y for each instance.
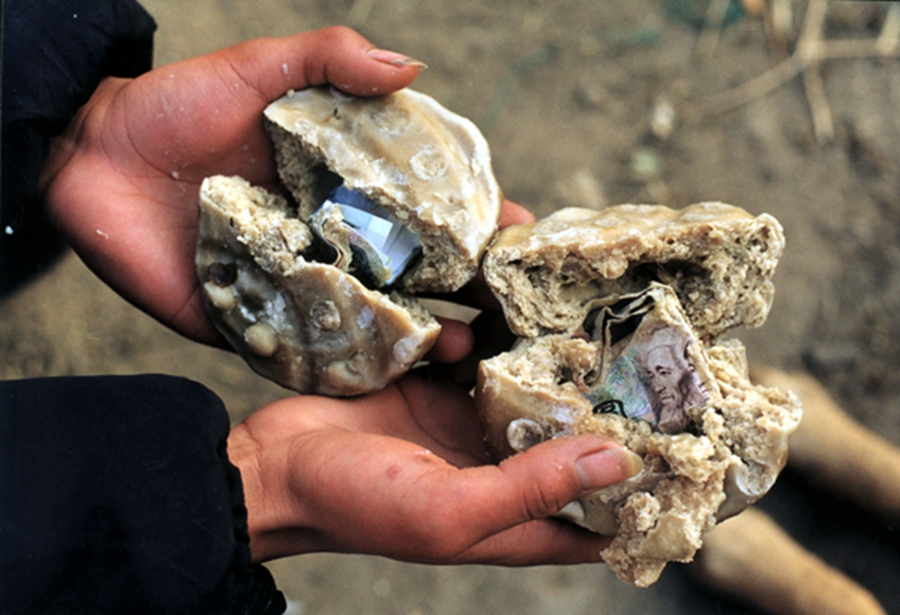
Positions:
(810, 51)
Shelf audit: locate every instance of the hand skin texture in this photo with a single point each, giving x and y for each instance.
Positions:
(403, 473)
(123, 180)
(400, 473)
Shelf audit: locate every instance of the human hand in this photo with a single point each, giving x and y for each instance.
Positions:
(403, 473)
(123, 180)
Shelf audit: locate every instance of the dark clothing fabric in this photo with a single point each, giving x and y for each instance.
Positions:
(118, 497)
(116, 493)
(55, 53)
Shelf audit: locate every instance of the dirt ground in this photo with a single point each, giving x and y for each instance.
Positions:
(565, 91)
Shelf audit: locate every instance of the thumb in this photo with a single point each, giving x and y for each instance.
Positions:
(552, 474)
(336, 55)
(539, 482)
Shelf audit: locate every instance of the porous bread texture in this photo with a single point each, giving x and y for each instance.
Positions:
(306, 325)
(426, 165)
(688, 480)
(718, 258)
(719, 261)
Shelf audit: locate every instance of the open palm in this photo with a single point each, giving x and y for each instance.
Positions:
(403, 473)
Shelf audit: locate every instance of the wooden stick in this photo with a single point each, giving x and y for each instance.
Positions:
(823, 124)
(779, 18)
(712, 28)
(809, 51)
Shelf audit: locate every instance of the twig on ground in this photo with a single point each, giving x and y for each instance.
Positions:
(712, 27)
(810, 50)
(778, 17)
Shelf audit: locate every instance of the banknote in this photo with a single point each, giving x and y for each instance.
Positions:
(652, 366)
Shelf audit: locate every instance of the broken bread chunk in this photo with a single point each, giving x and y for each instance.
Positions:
(424, 165)
(718, 258)
(619, 314)
(308, 326)
(392, 195)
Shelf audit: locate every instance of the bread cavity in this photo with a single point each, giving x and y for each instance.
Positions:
(619, 313)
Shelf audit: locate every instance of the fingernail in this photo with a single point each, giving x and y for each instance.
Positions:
(394, 59)
(607, 467)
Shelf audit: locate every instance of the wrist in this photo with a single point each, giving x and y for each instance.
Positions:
(271, 514)
(80, 132)
(244, 454)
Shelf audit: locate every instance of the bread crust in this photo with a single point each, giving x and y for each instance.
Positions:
(718, 258)
(659, 275)
(306, 325)
(317, 323)
(427, 166)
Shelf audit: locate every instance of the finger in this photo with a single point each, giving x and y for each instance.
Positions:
(336, 55)
(454, 344)
(513, 213)
(445, 413)
(542, 480)
(548, 541)
(486, 503)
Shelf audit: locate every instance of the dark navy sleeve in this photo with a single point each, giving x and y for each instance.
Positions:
(116, 493)
(117, 496)
(55, 53)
